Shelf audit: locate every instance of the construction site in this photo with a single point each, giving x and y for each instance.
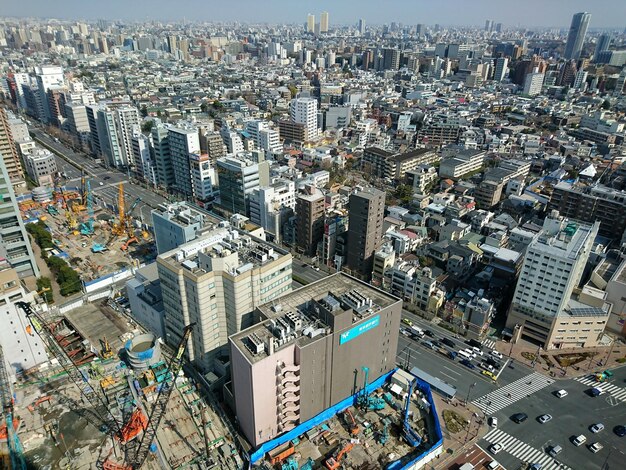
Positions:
(95, 240)
(110, 397)
(393, 427)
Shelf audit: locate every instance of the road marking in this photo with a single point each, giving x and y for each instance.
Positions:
(491, 344)
(615, 391)
(511, 393)
(451, 378)
(502, 368)
(523, 451)
(454, 372)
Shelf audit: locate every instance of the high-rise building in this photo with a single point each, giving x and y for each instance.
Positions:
(576, 35)
(309, 220)
(145, 168)
(420, 30)
(305, 356)
(203, 178)
(8, 150)
(47, 76)
(391, 59)
(310, 23)
(304, 111)
(489, 26)
(501, 71)
(183, 141)
(271, 206)
(127, 117)
(324, 22)
(14, 243)
(216, 282)
(533, 83)
(362, 26)
(545, 307)
(176, 224)
(365, 230)
(238, 176)
(161, 154)
(602, 44)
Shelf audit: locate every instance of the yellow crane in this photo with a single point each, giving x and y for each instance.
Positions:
(120, 228)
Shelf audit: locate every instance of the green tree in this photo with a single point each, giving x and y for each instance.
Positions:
(40, 233)
(404, 192)
(143, 111)
(146, 127)
(606, 104)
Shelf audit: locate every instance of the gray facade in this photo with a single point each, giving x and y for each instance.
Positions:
(174, 225)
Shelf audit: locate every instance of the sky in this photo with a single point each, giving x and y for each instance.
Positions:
(542, 13)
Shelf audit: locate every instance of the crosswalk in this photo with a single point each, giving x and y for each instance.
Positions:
(613, 390)
(509, 394)
(523, 451)
(491, 344)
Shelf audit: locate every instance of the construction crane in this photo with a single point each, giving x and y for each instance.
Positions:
(86, 228)
(411, 436)
(16, 451)
(333, 463)
(120, 228)
(160, 404)
(93, 397)
(366, 401)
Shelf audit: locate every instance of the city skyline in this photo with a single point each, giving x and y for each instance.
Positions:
(609, 14)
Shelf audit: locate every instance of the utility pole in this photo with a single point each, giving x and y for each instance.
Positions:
(469, 390)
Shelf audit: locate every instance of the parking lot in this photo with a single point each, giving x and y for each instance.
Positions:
(572, 415)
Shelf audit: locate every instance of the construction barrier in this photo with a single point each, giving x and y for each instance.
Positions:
(108, 280)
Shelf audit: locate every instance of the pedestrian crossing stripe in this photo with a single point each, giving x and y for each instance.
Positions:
(491, 344)
(523, 451)
(613, 390)
(511, 393)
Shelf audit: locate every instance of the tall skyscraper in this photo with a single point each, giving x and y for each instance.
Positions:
(304, 111)
(544, 306)
(14, 242)
(183, 141)
(324, 22)
(602, 44)
(310, 23)
(533, 83)
(488, 25)
(365, 230)
(576, 36)
(361, 26)
(8, 150)
(391, 59)
(309, 220)
(501, 70)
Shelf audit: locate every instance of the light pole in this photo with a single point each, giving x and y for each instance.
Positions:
(610, 352)
(469, 390)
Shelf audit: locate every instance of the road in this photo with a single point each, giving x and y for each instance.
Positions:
(305, 272)
(104, 181)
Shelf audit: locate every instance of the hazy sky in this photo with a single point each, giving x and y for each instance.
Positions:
(605, 13)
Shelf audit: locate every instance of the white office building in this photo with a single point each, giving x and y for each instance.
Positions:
(270, 206)
(304, 111)
(533, 83)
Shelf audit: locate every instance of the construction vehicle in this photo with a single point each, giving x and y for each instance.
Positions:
(290, 464)
(350, 422)
(383, 435)
(128, 242)
(334, 462)
(107, 352)
(281, 452)
(409, 434)
(365, 400)
(52, 210)
(16, 451)
(131, 429)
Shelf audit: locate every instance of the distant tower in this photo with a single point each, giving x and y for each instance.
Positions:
(361, 26)
(603, 44)
(310, 23)
(324, 22)
(576, 36)
(501, 69)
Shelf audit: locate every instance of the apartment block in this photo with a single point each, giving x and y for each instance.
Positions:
(238, 177)
(41, 166)
(384, 164)
(308, 351)
(176, 224)
(216, 281)
(464, 162)
(310, 207)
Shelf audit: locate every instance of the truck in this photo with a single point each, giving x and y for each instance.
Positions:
(417, 331)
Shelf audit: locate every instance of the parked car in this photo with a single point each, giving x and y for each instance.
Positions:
(597, 428)
(543, 419)
(555, 450)
(596, 447)
(519, 417)
(560, 393)
(620, 430)
(579, 440)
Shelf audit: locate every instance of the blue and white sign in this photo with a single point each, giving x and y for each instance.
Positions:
(359, 330)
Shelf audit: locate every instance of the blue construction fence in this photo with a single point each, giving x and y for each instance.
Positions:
(325, 415)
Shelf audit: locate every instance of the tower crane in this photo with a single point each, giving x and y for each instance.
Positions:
(120, 228)
(16, 450)
(86, 228)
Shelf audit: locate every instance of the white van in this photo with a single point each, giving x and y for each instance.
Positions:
(561, 393)
(465, 355)
(416, 330)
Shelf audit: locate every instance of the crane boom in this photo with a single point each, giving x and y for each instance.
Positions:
(160, 404)
(16, 451)
(94, 398)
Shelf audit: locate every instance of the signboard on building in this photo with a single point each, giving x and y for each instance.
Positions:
(359, 329)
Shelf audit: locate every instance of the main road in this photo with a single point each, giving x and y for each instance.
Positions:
(104, 181)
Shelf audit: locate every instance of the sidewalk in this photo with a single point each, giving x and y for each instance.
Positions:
(44, 271)
(548, 365)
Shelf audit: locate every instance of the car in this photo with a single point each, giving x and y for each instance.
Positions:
(106, 178)
(596, 428)
(477, 350)
(543, 419)
(489, 374)
(468, 363)
(560, 393)
(429, 333)
(519, 417)
(579, 440)
(596, 392)
(436, 343)
(428, 344)
(101, 183)
(493, 421)
(470, 352)
(405, 332)
(492, 362)
(555, 450)
(406, 321)
(497, 354)
(447, 342)
(495, 448)
(486, 366)
(596, 447)
(620, 430)
(474, 342)
(535, 466)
